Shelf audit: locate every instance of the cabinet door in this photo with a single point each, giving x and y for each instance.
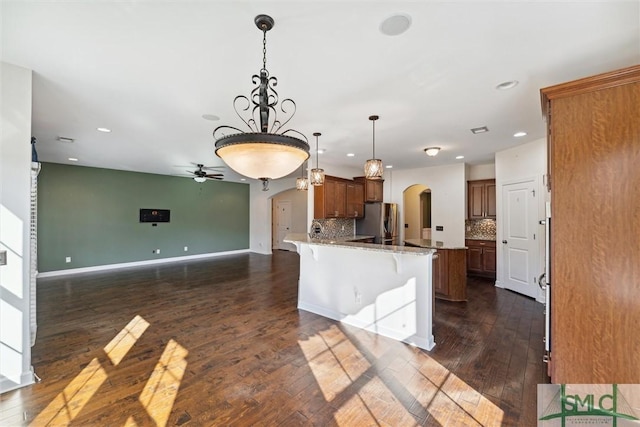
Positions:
(474, 259)
(330, 208)
(439, 274)
(374, 190)
(340, 202)
(476, 199)
(355, 200)
(490, 200)
(489, 260)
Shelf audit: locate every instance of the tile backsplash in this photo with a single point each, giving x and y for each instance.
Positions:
(334, 227)
(480, 229)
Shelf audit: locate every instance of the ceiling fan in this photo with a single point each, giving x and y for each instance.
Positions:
(200, 175)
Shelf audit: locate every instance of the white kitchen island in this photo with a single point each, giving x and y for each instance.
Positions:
(381, 288)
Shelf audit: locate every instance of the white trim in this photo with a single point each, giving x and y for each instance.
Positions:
(27, 378)
(137, 263)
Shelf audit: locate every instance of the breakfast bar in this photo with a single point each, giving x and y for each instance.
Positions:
(383, 289)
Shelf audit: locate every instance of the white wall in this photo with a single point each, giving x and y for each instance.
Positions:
(448, 186)
(518, 163)
(476, 172)
(15, 193)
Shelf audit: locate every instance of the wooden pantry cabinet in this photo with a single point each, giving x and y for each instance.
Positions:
(338, 198)
(481, 199)
(594, 152)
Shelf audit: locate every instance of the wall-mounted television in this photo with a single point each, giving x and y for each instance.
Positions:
(155, 215)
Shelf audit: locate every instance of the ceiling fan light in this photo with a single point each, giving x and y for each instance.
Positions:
(199, 179)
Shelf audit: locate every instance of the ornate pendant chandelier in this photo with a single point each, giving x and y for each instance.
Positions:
(373, 167)
(267, 151)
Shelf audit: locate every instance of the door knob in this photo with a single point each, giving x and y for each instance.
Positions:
(504, 241)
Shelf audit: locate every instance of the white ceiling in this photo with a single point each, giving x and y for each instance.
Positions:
(150, 70)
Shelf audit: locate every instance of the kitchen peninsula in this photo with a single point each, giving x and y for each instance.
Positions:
(384, 289)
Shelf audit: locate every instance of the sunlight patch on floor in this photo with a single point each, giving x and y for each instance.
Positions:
(366, 397)
(66, 406)
(126, 338)
(162, 387)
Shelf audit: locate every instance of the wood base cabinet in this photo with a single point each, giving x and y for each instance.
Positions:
(449, 279)
(594, 175)
(481, 258)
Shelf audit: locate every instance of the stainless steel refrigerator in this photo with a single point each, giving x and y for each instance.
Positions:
(380, 220)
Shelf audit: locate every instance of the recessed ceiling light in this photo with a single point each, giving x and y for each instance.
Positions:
(65, 139)
(243, 179)
(459, 157)
(389, 166)
(211, 117)
(519, 134)
(106, 130)
(395, 25)
(321, 151)
(507, 85)
(73, 159)
(350, 155)
(481, 129)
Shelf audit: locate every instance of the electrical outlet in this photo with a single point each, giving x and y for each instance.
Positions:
(157, 251)
(186, 248)
(67, 259)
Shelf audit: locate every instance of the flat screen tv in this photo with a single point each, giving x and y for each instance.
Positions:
(155, 215)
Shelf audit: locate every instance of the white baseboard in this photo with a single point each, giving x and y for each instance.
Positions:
(27, 378)
(137, 263)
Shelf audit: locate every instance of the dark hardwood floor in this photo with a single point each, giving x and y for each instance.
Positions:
(220, 342)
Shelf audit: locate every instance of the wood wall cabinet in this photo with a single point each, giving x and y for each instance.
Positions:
(373, 189)
(338, 198)
(481, 199)
(594, 153)
(449, 279)
(481, 258)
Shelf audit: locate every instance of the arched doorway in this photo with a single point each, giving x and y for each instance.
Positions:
(417, 212)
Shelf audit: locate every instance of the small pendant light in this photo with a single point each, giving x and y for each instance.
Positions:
(317, 174)
(373, 167)
(302, 183)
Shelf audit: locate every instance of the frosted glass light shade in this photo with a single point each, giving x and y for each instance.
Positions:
(199, 179)
(373, 169)
(262, 155)
(317, 176)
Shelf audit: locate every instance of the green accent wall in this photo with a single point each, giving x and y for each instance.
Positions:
(92, 216)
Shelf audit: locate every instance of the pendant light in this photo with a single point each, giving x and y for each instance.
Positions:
(302, 183)
(317, 174)
(373, 167)
(267, 150)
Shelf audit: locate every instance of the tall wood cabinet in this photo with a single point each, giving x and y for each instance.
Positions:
(594, 175)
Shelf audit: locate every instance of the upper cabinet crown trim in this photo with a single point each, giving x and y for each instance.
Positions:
(588, 84)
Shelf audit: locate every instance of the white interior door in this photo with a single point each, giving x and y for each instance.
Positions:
(519, 240)
(283, 225)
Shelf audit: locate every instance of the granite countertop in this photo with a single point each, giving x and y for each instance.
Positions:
(493, 239)
(432, 244)
(348, 242)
